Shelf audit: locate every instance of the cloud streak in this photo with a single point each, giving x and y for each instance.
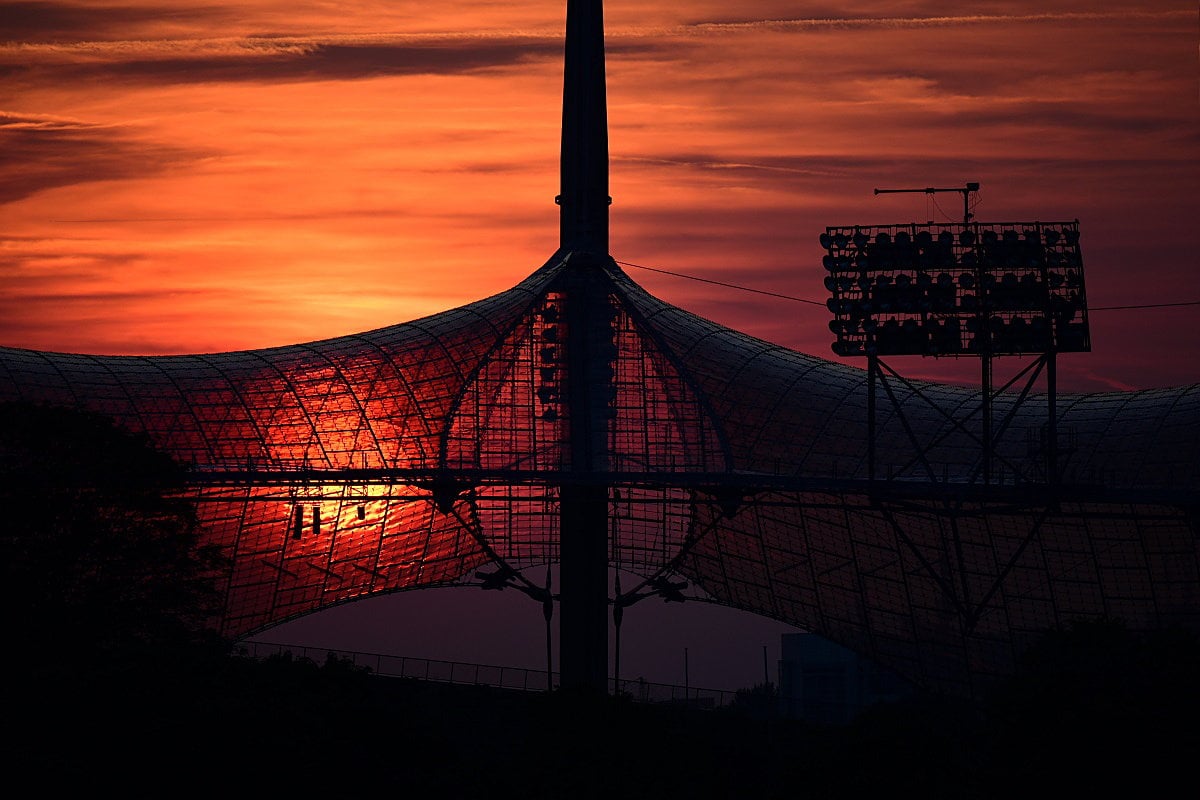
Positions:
(268, 60)
(40, 152)
(42, 21)
(858, 23)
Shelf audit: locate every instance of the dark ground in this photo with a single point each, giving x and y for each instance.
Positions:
(237, 727)
(112, 686)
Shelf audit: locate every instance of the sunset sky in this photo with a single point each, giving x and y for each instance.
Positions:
(181, 177)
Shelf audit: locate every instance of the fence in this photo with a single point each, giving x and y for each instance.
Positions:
(465, 673)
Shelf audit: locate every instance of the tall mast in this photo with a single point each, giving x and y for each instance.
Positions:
(589, 352)
(584, 167)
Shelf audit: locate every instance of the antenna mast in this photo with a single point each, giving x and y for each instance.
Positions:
(584, 196)
(966, 192)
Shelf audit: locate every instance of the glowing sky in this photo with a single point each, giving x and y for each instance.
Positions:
(181, 177)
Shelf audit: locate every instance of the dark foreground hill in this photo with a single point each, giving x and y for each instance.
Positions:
(233, 726)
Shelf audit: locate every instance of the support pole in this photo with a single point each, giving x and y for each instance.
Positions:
(583, 631)
(548, 614)
(1052, 418)
(583, 505)
(687, 683)
(986, 389)
(872, 377)
(584, 200)
(618, 614)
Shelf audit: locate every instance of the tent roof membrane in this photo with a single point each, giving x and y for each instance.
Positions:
(430, 448)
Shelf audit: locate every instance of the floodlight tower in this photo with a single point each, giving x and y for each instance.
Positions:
(970, 289)
(985, 357)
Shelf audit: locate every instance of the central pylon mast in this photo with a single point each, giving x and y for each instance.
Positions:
(584, 168)
(583, 503)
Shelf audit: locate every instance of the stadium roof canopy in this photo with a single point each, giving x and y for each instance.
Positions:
(734, 463)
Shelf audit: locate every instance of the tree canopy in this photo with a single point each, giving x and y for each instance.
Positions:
(100, 560)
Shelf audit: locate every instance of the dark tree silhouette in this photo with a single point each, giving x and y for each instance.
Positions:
(1097, 708)
(100, 564)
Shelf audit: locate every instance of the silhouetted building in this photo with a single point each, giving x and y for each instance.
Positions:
(821, 681)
